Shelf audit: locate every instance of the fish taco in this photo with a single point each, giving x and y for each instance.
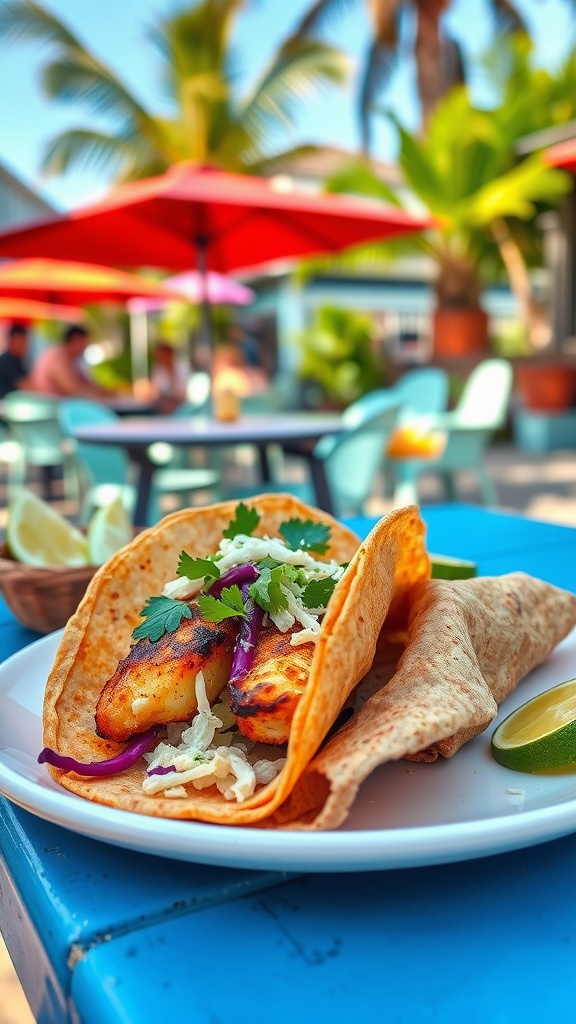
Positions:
(211, 657)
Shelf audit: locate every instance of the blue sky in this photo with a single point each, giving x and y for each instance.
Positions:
(116, 29)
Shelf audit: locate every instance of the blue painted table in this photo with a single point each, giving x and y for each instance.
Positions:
(99, 934)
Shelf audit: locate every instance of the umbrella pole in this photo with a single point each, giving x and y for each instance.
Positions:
(139, 351)
(205, 335)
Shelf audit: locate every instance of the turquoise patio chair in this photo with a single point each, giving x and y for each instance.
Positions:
(469, 430)
(34, 428)
(422, 393)
(105, 468)
(354, 457)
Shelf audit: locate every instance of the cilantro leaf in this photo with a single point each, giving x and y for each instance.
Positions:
(317, 593)
(305, 535)
(269, 563)
(245, 521)
(228, 605)
(266, 590)
(161, 615)
(195, 568)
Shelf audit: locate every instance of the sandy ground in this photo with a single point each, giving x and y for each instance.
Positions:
(14, 1008)
(540, 486)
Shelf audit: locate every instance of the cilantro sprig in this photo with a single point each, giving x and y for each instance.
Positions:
(196, 568)
(267, 592)
(306, 535)
(227, 606)
(245, 521)
(161, 615)
(317, 593)
(164, 614)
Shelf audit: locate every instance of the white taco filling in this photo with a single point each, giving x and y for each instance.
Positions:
(244, 550)
(205, 754)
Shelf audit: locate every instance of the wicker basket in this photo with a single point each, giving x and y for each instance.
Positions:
(42, 599)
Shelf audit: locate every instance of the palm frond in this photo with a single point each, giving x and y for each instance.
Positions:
(370, 259)
(301, 68)
(195, 41)
(419, 171)
(357, 178)
(28, 21)
(79, 76)
(80, 148)
(516, 193)
(508, 17)
(319, 14)
(379, 67)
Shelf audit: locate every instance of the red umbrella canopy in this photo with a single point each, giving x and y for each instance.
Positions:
(563, 155)
(223, 221)
(60, 281)
(29, 310)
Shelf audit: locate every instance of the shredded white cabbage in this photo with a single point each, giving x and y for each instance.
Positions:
(205, 756)
(242, 549)
(182, 588)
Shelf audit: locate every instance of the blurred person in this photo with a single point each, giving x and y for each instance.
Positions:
(58, 370)
(169, 378)
(232, 373)
(13, 370)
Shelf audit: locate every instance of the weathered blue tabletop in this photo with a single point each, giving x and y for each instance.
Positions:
(99, 934)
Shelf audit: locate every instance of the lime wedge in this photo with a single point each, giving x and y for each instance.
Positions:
(541, 734)
(38, 535)
(446, 568)
(109, 530)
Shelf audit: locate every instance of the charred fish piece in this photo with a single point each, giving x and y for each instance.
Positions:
(264, 699)
(155, 683)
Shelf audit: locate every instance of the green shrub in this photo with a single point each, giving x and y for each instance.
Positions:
(337, 355)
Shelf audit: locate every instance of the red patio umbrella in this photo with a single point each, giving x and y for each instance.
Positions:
(51, 280)
(195, 214)
(563, 155)
(198, 215)
(30, 310)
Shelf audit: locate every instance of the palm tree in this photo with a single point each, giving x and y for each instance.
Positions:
(439, 63)
(209, 122)
(466, 174)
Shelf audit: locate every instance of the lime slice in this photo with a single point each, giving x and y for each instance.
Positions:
(541, 734)
(109, 530)
(38, 535)
(445, 568)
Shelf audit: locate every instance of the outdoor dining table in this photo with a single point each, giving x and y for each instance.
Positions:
(294, 431)
(106, 935)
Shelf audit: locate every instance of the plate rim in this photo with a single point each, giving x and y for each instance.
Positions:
(286, 850)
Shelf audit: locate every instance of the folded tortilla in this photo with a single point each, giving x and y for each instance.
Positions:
(469, 644)
(376, 586)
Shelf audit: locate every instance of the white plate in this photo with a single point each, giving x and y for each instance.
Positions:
(406, 814)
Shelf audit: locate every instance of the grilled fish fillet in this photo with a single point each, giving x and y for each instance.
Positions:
(264, 700)
(155, 683)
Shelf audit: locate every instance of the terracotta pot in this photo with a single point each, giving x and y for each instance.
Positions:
(546, 386)
(460, 332)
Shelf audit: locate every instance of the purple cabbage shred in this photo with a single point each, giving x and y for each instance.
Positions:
(238, 575)
(160, 770)
(245, 645)
(119, 763)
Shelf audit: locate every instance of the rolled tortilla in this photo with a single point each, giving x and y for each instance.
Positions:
(469, 644)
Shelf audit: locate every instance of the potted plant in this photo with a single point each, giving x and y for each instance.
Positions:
(338, 362)
(464, 172)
